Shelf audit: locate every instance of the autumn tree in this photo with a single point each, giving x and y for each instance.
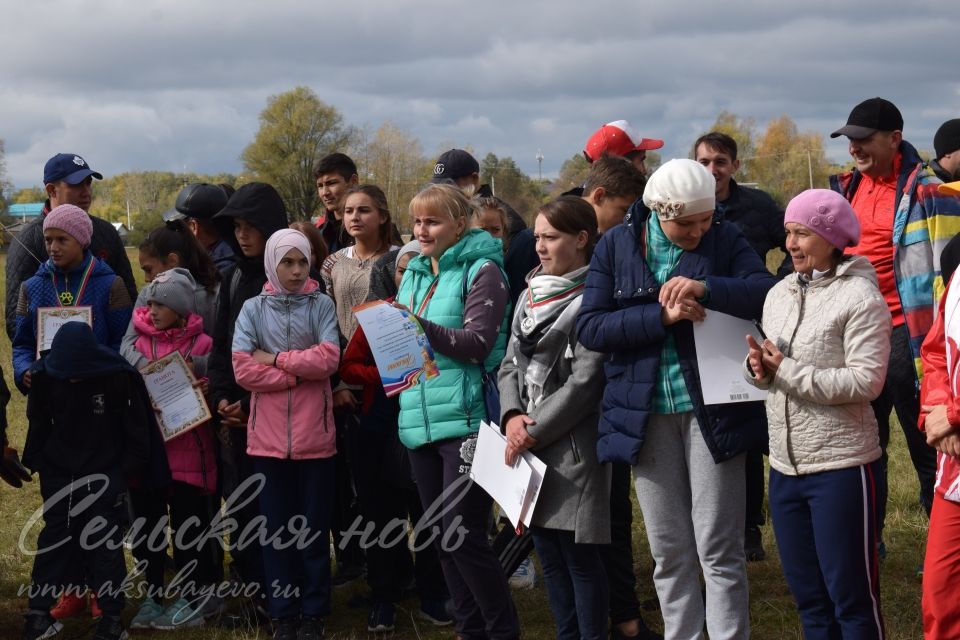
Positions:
(392, 158)
(787, 161)
(743, 132)
(296, 130)
(508, 182)
(28, 195)
(573, 173)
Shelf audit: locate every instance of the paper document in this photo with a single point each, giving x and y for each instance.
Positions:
(399, 345)
(515, 488)
(721, 350)
(170, 385)
(50, 319)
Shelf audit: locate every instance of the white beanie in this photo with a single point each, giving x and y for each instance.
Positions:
(680, 187)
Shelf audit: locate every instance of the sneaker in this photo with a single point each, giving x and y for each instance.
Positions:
(110, 628)
(525, 577)
(382, 617)
(68, 606)
(213, 607)
(149, 611)
(179, 615)
(435, 612)
(311, 628)
(753, 544)
(39, 624)
(346, 574)
(285, 628)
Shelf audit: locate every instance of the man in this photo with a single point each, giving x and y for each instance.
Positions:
(197, 203)
(334, 173)
(761, 222)
(461, 169)
(68, 179)
(619, 138)
(946, 144)
(905, 224)
(612, 185)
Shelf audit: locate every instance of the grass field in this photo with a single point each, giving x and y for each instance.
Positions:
(772, 611)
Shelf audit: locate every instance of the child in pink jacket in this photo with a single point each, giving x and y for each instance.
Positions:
(169, 323)
(285, 348)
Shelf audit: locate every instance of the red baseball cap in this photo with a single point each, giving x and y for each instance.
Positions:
(618, 138)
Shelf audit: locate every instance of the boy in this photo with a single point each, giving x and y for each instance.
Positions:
(334, 174)
(612, 185)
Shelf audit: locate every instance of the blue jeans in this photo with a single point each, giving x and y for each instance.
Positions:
(576, 584)
(297, 579)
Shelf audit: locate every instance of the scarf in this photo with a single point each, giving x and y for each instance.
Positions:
(545, 319)
(277, 247)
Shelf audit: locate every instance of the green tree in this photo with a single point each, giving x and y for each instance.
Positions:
(743, 131)
(28, 195)
(393, 160)
(296, 130)
(573, 172)
(509, 183)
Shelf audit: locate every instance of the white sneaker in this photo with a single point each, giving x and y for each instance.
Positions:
(525, 577)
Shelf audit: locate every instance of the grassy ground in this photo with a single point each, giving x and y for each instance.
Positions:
(772, 611)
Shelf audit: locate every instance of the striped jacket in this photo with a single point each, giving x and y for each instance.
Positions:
(922, 225)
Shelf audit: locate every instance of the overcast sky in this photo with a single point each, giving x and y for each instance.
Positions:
(172, 84)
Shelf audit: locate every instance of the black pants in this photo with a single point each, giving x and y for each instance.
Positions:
(618, 555)
(755, 480)
(238, 468)
(63, 553)
(185, 501)
(900, 394)
(346, 505)
(483, 607)
(387, 497)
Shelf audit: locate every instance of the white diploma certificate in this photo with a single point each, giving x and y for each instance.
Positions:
(170, 385)
(515, 488)
(50, 319)
(721, 351)
(399, 346)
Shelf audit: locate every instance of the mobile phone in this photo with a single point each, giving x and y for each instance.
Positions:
(759, 327)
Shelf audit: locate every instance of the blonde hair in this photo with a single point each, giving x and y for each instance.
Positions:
(495, 204)
(443, 198)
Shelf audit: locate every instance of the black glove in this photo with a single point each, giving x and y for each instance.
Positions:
(11, 470)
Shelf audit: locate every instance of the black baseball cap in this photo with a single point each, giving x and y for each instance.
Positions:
(68, 167)
(870, 116)
(201, 200)
(454, 164)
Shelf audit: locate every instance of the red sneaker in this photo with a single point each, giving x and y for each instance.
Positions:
(95, 612)
(68, 606)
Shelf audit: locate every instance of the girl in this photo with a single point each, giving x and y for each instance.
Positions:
(167, 247)
(649, 280)
(824, 362)
(168, 323)
(550, 389)
(457, 289)
(346, 275)
(491, 216)
(285, 348)
(72, 276)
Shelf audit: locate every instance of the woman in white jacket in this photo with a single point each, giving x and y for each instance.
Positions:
(823, 360)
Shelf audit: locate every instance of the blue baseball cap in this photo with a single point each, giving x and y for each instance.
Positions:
(68, 167)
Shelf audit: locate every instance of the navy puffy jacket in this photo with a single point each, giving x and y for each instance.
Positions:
(620, 316)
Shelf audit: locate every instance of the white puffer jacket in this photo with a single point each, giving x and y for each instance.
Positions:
(835, 336)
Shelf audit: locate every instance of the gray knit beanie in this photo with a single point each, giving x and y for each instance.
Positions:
(173, 288)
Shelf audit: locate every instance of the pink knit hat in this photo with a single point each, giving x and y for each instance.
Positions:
(73, 220)
(827, 214)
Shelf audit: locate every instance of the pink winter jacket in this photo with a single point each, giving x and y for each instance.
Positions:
(291, 404)
(191, 456)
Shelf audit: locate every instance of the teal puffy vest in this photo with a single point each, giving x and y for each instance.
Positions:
(449, 405)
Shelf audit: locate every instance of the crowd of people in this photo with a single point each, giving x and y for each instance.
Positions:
(576, 336)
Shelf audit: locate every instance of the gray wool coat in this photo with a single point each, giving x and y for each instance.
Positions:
(575, 495)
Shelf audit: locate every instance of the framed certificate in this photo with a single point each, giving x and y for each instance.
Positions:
(50, 319)
(170, 385)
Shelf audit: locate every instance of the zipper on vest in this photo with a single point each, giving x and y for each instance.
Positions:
(786, 401)
(289, 391)
(423, 407)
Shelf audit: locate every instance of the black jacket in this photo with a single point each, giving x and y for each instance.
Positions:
(759, 219)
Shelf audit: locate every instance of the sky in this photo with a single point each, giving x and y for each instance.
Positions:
(178, 85)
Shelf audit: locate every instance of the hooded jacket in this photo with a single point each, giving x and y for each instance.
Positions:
(191, 456)
(89, 412)
(835, 336)
(260, 205)
(923, 224)
(291, 408)
(105, 292)
(28, 248)
(620, 316)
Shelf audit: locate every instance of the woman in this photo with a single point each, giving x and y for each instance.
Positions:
(825, 359)
(649, 280)
(491, 215)
(458, 291)
(550, 390)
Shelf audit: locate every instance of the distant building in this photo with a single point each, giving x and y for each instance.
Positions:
(121, 230)
(25, 212)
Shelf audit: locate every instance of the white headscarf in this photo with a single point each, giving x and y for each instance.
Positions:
(679, 188)
(277, 246)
